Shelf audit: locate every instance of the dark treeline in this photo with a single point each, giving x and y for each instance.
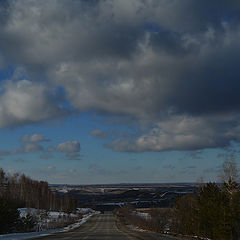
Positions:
(20, 191)
(29, 193)
(213, 212)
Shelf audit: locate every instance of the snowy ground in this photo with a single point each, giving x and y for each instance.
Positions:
(17, 236)
(144, 215)
(50, 214)
(84, 210)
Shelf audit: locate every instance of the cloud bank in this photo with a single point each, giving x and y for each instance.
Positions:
(170, 64)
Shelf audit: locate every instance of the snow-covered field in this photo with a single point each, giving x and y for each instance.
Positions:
(51, 216)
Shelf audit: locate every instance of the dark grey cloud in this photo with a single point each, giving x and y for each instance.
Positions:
(172, 65)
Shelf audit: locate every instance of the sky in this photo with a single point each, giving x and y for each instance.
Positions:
(119, 91)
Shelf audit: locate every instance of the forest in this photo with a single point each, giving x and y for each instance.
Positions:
(20, 191)
(212, 212)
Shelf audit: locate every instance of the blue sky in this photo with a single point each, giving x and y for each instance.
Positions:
(119, 91)
(98, 164)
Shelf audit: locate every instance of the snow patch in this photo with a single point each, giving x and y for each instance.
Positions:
(144, 215)
(18, 236)
(63, 190)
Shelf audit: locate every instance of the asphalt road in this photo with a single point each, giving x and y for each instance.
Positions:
(99, 227)
(102, 227)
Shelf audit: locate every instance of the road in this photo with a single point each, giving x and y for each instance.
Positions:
(100, 227)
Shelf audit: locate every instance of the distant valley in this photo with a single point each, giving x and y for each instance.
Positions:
(108, 197)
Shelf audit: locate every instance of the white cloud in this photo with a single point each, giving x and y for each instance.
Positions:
(25, 102)
(182, 133)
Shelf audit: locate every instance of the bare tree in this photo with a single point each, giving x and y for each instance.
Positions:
(230, 176)
(230, 172)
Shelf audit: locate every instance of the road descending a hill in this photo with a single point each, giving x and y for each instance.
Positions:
(101, 227)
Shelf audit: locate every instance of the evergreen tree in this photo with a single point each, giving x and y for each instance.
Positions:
(27, 223)
(214, 212)
(185, 213)
(9, 216)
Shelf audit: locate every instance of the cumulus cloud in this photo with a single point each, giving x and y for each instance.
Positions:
(145, 59)
(68, 147)
(25, 102)
(138, 48)
(183, 133)
(32, 144)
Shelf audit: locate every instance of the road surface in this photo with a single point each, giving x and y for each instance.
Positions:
(101, 227)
